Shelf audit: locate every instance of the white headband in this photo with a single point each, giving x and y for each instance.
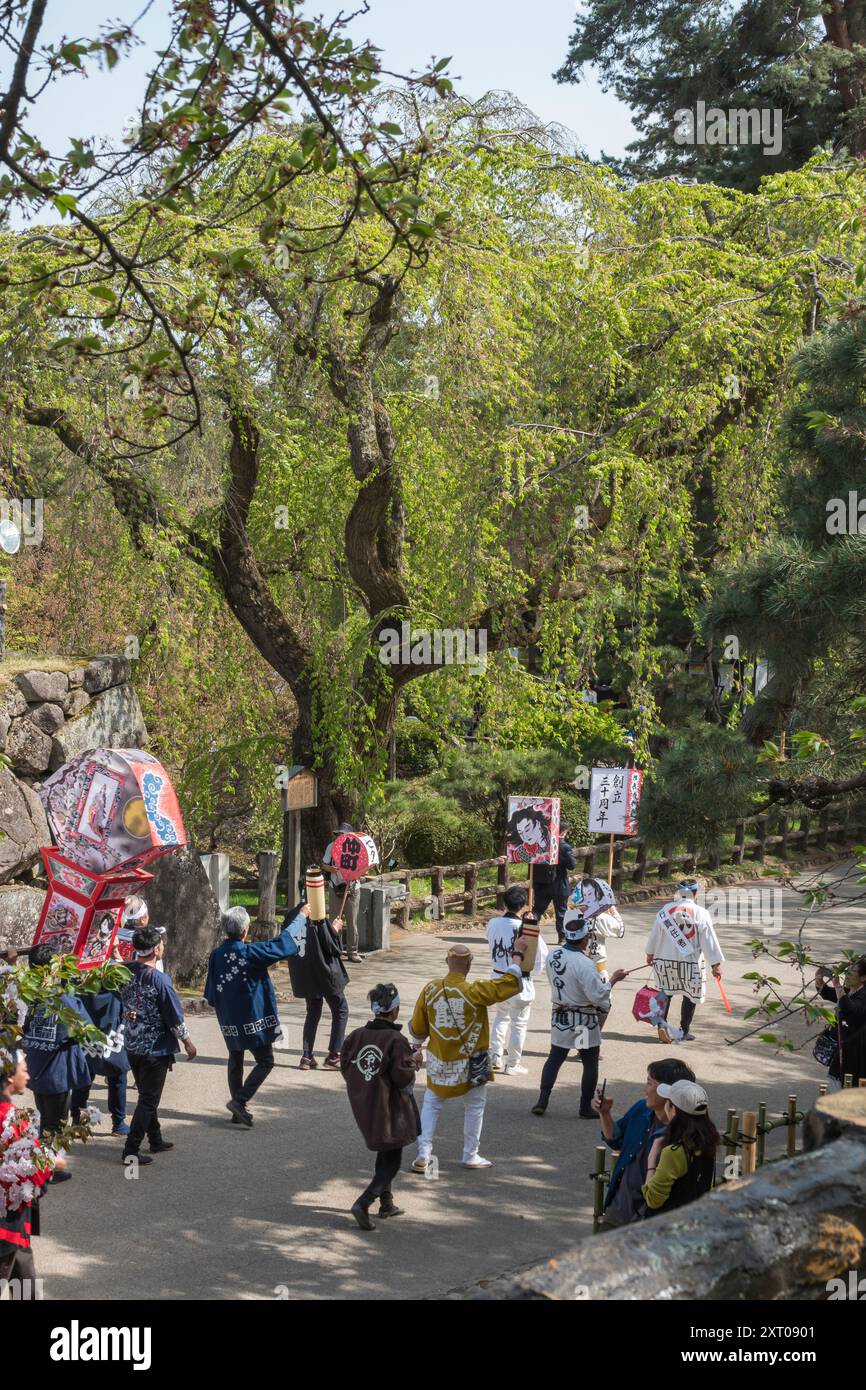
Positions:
(383, 1009)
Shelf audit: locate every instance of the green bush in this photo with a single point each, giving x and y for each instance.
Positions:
(574, 812)
(438, 831)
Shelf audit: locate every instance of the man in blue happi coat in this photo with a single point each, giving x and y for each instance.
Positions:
(56, 1063)
(107, 1059)
(240, 989)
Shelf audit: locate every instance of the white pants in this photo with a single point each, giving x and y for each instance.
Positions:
(512, 1017)
(473, 1118)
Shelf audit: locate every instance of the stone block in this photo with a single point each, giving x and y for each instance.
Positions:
(28, 748)
(47, 717)
(23, 827)
(105, 671)
(113, 720)
(19, 914)
(37, 686)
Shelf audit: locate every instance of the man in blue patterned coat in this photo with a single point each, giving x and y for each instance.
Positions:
(241, 990)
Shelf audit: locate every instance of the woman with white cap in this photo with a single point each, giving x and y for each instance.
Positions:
(580, 998)
(682, 1161)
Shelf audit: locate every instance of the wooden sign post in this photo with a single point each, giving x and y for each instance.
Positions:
(299, 793)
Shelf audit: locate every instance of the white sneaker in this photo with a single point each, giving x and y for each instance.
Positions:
(516, 1071)
(477, 1162)
(420, 1164)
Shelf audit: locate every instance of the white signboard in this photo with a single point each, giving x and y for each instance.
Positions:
(614, 797)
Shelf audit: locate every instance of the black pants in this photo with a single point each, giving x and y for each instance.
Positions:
(545, 894)
(18, 1264)
(387, 1167)
(116, 1080)
(150, 1073)
(264, 1064)
(339, 1018)
(687, 1012)
(53, 1111)
(589, 1058)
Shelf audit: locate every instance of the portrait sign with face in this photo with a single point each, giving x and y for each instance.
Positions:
(532, 830)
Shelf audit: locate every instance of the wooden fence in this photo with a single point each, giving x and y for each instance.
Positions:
(631, 864)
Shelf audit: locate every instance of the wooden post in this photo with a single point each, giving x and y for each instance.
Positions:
(589, 864)
(610, 862)
(267, 917)
(640, 863)
(664, 862)
(470, 891)
(792, 1126)
(292, 854)
(501, 884)
(821, 841)
(761, 830)
(750, 1130)
(437, 892)
(730, 1135)
(598, 1184)
(762, 1136)
(404, 912)
(615, 880)
(529, 889)
(739, 842)
(804, 832)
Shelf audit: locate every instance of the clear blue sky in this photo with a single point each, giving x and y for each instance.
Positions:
(494, 44)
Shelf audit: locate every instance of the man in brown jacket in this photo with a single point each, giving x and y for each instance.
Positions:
(379, 1066)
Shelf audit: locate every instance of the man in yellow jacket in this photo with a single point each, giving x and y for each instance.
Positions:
(452, 1014)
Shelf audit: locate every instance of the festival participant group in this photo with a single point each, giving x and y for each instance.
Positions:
(665, 1140)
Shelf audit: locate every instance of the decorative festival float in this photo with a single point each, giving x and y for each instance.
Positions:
(110, 811)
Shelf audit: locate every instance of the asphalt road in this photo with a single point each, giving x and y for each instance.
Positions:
(233, 1213)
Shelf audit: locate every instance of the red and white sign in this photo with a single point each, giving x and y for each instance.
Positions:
(614, 798)
(352, 855)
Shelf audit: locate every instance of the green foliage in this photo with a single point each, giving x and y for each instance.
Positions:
(663, 57)
(438, 830)
(700, 786)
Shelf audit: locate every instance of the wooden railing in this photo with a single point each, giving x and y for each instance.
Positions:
(631, 864)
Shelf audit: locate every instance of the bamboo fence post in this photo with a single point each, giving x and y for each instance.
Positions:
(750, 1130)
(598, 1177)
(501, 884)
(470, 890)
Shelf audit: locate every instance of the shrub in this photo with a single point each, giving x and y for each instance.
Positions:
(438, 831)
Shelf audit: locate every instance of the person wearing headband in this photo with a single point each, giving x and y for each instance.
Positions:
(155, 1028)
(682, 1161)
(32, 1169)
(137, 914)
(580, 1000)
(511, 1019)
(452, 1014)
(241, 991)
(680, 943)
(379, 1065)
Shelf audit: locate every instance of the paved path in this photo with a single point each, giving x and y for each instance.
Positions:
(257, 1214)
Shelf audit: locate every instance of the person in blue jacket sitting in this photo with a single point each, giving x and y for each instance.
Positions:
(57, 1065)
(241, 990)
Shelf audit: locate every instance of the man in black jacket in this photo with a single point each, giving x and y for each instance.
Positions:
(318, 975)
(550, 884)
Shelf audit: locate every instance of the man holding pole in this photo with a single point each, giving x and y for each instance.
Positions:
(681, 940)
(344, 896)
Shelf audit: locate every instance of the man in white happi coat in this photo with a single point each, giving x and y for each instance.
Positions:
(508, 1035)
(682, 940)
(580, 1001)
